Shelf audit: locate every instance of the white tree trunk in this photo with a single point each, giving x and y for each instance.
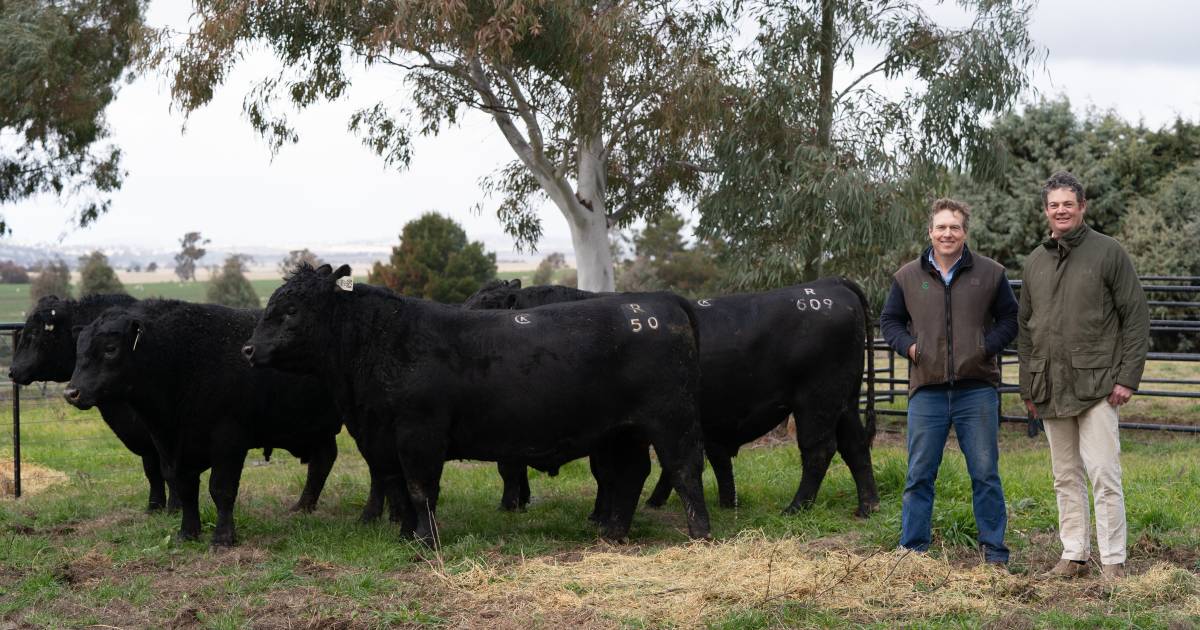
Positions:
(588, 220)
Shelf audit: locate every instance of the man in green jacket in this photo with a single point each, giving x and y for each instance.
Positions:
(1083, 333)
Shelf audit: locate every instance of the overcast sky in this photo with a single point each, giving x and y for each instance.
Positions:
(1141, 59)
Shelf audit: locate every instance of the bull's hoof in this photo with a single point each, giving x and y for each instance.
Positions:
(511, 507)
(655, 503)
(303, 506)
(153, 507)
(188, 535)
(866, 509)
(796, 508)
(615, 537)
(728, 504)
(223, 540)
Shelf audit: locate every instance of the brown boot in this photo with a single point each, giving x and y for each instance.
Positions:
(1113, 571)
(1067, 569)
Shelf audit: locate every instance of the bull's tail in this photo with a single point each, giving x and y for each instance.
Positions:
(870, 339)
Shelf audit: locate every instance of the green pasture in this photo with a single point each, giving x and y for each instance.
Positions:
(15, 302)
(81, 552)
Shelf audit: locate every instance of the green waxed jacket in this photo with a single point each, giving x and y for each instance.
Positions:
(1083, 323)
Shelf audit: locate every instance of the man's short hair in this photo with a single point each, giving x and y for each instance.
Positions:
(958, 207)
(1063, 180)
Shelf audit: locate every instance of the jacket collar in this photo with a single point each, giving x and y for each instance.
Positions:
(963, 263)
(1068, 241)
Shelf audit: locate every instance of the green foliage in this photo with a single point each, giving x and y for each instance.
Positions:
(96, 276)
(12, 273)
(812, 181)
(229, 286)
(61, 65)
(297, 257)
(1136, 179)
(190, 252)
(664, 262)
(434, 261)
(545, 269)
(53, 279)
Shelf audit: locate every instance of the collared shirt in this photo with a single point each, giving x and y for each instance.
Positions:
(949, 275)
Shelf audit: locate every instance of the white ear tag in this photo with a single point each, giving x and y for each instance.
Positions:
(345, 283)
(52, 313)
(49, 327)
(136, 338)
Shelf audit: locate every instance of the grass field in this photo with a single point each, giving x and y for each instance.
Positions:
(80, 552)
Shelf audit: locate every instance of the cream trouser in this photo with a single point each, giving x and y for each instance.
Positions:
(1088, 443)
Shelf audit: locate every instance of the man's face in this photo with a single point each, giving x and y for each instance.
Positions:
(1064, 211)
(947, 234)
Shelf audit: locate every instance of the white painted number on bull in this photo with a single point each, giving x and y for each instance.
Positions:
(813, 303)
(636, 324)
(636, 308)
(809, 292)
(705, 303)
(522, 320)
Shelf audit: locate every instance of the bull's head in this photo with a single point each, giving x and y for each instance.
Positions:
(46, 345)
(494, 295)
(296, 330)
(105, 358)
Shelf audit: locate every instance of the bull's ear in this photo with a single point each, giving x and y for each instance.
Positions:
(324, 270)
(342, 272)
(136, 328)
(515, 283)
(75, 330)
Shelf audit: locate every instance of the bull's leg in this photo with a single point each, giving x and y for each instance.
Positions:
(516, 486)
(856, 451)
(319, 466)
(187, 486)
(662, 491)
(154, 475)
(223, 488)
(374, 507)
(400, 507)
(817, 439)
(682, 458)
(604, 469)
(421, 459)
(722, 465)
(628, 465)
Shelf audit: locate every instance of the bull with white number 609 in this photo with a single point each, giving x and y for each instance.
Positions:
(427, 382)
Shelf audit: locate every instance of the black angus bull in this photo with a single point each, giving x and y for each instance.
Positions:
(796, 350)
(428, 383)
(46, 352)
(179, 366)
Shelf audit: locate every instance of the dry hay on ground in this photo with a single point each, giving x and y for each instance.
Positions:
(34, 479)
(690, 584)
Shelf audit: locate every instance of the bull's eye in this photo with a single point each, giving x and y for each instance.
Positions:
(110, 350)
(291, 311)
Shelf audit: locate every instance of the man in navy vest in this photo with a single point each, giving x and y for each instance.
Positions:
(951, 312)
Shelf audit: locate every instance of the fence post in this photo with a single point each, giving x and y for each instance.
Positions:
(16, 409)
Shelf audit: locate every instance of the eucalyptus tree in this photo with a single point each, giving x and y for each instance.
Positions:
(602, 102)
(61, 63)
(819, 168)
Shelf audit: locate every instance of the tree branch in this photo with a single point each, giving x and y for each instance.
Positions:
(523, 108)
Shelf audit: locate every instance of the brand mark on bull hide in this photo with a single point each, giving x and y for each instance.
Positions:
(523, 320)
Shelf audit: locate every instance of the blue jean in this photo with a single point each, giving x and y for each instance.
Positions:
(974, 414)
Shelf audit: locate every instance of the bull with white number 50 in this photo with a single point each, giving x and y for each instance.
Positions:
(543, 386)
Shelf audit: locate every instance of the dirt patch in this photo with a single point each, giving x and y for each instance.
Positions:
(34, 479)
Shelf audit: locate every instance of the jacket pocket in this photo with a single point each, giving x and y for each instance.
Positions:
(1093, 374)
(1039, 385)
